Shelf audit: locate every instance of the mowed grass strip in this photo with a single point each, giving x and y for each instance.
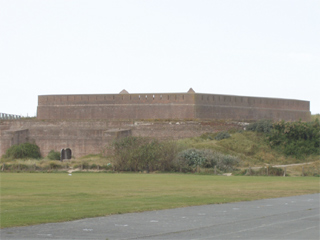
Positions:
(34, 198)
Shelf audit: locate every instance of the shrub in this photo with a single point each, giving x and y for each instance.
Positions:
(227, 163)
(135, 153)
(24, 150)
(53, 155)
(190, 158)
(296, 138)
(222, 135)
(205, 158)
(168, 152)
(94, 166)
(264, 126)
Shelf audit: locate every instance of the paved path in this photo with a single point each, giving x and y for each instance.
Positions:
(281, 218)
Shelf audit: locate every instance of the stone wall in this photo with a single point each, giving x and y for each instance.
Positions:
(91, 137)
(12, 137)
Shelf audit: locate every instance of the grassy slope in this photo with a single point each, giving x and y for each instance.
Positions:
(33, 198)
(251, 147)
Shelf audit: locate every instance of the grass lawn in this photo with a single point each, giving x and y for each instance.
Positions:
(33, 198)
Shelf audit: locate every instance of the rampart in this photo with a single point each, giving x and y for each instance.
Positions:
(170, 106)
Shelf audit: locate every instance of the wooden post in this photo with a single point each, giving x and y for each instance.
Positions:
(285, 171)
(2, 169)
(215, 170)
(249, 170)
(302, 171)
(268, 170)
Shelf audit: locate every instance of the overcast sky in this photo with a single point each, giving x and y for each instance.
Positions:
(258, 48)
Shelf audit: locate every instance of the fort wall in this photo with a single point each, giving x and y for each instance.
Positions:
(91, 137)
(170, 106)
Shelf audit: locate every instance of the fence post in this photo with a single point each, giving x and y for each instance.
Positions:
(215, 170)
(302, 172)
(2, 169)
(285, 171)
(249, 170)
(268, 170)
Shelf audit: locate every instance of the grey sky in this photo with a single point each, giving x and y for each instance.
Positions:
(251, 48)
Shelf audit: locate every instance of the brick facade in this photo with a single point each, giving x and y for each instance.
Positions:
(170, 106)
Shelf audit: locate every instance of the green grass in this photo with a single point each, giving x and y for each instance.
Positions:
(33, 198)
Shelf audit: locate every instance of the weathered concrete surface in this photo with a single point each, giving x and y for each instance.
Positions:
(281, 218)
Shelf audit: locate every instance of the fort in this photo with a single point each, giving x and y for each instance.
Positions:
(86, 123)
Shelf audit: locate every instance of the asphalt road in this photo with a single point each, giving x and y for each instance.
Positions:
(281, 218)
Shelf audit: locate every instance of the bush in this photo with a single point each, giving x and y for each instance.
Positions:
(25, 150)
(222, 135)
(168, 152)
(296, 138)
(143, 154)
(264, 126)
(53, 155)
(226, 163)
(205, 158)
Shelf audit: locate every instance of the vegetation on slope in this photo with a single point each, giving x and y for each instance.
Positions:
(278, 143)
